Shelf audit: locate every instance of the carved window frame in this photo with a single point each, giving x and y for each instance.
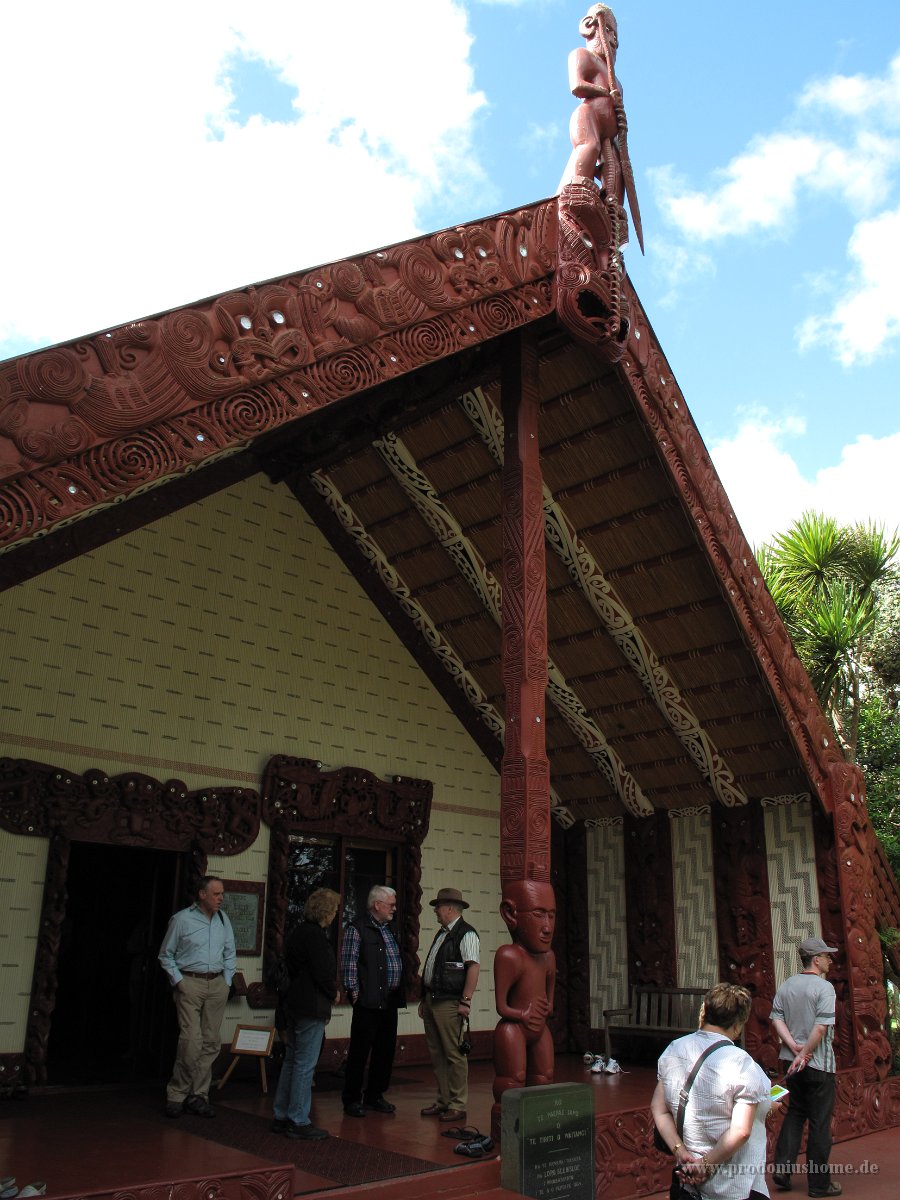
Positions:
(300, 797)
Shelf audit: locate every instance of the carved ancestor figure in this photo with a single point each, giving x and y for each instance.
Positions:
(588, 283)
(524, 983)
(598, 127)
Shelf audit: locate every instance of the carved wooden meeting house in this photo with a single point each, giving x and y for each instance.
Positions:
(412, 568)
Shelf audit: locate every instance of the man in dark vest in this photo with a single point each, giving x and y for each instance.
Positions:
(449, 980)
(372, 974)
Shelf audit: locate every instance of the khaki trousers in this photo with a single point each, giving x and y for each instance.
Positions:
(200, 1005)
(442, 1026)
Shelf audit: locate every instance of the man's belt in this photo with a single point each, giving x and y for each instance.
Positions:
(202, 974)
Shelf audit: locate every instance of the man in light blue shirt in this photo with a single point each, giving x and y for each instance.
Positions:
(198, 955)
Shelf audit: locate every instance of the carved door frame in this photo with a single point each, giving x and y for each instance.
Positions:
(136, 810)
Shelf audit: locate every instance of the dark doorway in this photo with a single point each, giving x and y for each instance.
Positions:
(114, 1020)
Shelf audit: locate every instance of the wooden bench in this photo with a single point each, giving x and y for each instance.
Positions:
(662, 1013)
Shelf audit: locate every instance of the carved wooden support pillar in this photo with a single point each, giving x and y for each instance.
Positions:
(650, 902)
(525, 972)
(525, 773)
(854, 850)
(744, 919)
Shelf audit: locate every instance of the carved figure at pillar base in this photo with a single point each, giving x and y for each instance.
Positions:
(524, 985)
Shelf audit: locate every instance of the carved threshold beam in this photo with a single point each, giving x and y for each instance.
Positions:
(564, 539)
(489, 591)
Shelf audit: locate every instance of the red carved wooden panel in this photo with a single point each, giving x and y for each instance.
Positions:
(650, 902)
(854, 847)
(628, 1164)
(744, 921)
(572, 1019)
(125, 810)
(95, 420)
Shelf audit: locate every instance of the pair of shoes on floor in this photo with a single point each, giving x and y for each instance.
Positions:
(354, 1110)
(305, 1133)
(433, 1110)
(379, 1104)
(476, 1147)
(453, 1114)
(199, 1106)
(782, 1181)
(833, 1189)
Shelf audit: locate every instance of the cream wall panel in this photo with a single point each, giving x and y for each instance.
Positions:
(198, 647)
(695, 899)
(606, 915)
(23, 863)
(463, 851)
(793, 888)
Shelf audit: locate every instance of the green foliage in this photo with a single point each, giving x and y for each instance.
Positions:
(829, 582)
(879, 756)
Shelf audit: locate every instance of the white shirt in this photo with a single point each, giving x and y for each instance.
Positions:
(468, 950)
(728, 1077)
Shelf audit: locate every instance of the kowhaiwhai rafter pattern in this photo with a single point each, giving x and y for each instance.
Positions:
(606, 604)
(487, 588)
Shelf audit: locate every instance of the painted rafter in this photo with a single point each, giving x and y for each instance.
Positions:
(398, 588)
(437, 643)
(564, 540)
(487, 588)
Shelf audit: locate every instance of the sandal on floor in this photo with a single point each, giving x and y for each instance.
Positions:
(463, 1133)
(39, 1188)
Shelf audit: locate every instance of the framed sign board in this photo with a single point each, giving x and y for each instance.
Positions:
(244, 902)
(253, 1039)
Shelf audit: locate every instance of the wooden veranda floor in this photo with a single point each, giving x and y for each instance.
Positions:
(112, 1141)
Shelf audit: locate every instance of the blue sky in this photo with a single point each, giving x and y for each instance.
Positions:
(162, 155)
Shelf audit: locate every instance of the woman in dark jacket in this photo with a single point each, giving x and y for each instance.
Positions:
(303, 1014)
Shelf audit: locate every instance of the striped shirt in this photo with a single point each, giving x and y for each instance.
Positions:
(801, 1002)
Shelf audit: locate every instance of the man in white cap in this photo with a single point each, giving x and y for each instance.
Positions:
(449, 978)
(803, 1016)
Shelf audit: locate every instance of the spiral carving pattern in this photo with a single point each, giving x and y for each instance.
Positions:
(247, 362)
(55, 375)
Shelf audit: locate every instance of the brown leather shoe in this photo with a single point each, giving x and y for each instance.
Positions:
(453, 1114)
(433, 1110)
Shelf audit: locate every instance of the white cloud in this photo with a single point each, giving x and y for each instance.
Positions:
(859, 95)
(757, 190)
(866, 320)
(132, 188)
(761, 190)
(768, 491)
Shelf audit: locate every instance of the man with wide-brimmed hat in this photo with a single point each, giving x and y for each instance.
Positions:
(449, 979)
(803, 1013)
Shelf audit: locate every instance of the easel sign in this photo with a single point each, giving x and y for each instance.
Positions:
(256, 1042)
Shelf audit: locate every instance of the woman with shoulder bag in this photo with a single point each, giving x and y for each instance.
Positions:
(717, 1130)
